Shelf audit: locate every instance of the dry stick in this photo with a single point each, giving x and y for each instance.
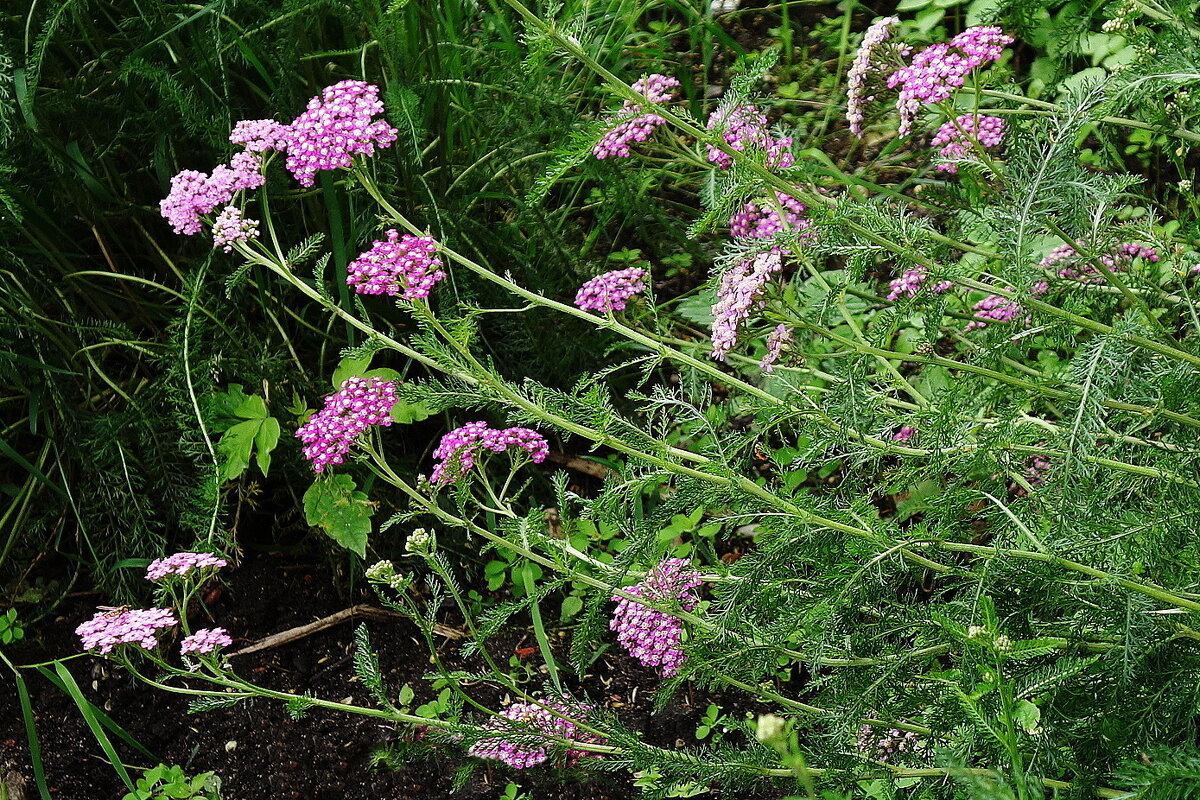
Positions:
(361, 611)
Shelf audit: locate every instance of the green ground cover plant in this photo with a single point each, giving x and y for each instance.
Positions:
(937, 390)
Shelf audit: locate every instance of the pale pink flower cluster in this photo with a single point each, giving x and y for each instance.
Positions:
(880, 745)
(259, 135)
(866, 64)
(1067, 263)
(137, 626)
(912, 282)
(632, 124)
(194, 195)
(407, 265)
(939, 69)
(655, 637)
(230, 227)
(205, 640)
(741, 291)
(745, 126)
(608, 292)
(524, 728)
(762, 221)
(958, 137)
(996, 308)
(182, 564)
(352, 409)
(338, 125)
(459, 449)
(777, 339)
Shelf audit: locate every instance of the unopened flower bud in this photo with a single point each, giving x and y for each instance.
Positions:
(770, 728)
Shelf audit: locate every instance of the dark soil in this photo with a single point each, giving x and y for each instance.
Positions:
(260, 752)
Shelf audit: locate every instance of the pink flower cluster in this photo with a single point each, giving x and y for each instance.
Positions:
(1067, 263)
(912, 282)
(777, 339)
(608, 292)
(866, 64)
(745, 126)
(337, 126)
(654, 637)
(230, 226)
(958, 137)
(740, 292)
(1001, 309)
(205, 640)
(632, 124)
(356, 406)
(884, 745)
(460, 448)
(194, 195)
(406, 265)
(139, 626)
(182, 564)
(905, 433)
(259, 135)
(939, 69)
(755, 221)
(525, 728)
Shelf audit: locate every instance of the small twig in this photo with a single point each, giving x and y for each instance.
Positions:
(300, 632)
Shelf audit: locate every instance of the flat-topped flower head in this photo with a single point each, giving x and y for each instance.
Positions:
(914, 281)
(633, 124)
(610, 291)
(259, 135)
(522, 732)
(136, 626)
(356, 406)
(958, 138)
(231, 227)
(939, 69)
(655, 637)
(459, 449)
(194, 195)
(1066, 261)
(205, 640)
(338, 125)
(741, 291)
(997, 308)
(406, 265)
(182, 564)
(745, 126)
(762, 220)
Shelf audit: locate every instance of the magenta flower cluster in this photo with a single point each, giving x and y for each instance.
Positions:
(958, 137)
(740, 292)
(939, 69)
(459, 449)
(524, 728)
(762, 221)
(655, 637)
(205, 640)
(1067, 263)
(633, 125)
(181, 564)
(996, 308)
(777, 340)
(610, 291)
(745, 126)
(867, 63)
(337, 126)
(407, 265)
(230, 227)
(905, 433)
(352, 409)
(912, 282)
(195, 195)
(138, 626)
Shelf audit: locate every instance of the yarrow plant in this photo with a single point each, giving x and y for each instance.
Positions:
(521, 734)
(136, 626)
(205, 641)
(358, 405)
(460, 448)
(651, 636)
(867, 64)
(406, 265)
(958, 137)
(338, 125)
(611, 291)
(181, 564)
(635, 124)
(741, 291)
(742, 127)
